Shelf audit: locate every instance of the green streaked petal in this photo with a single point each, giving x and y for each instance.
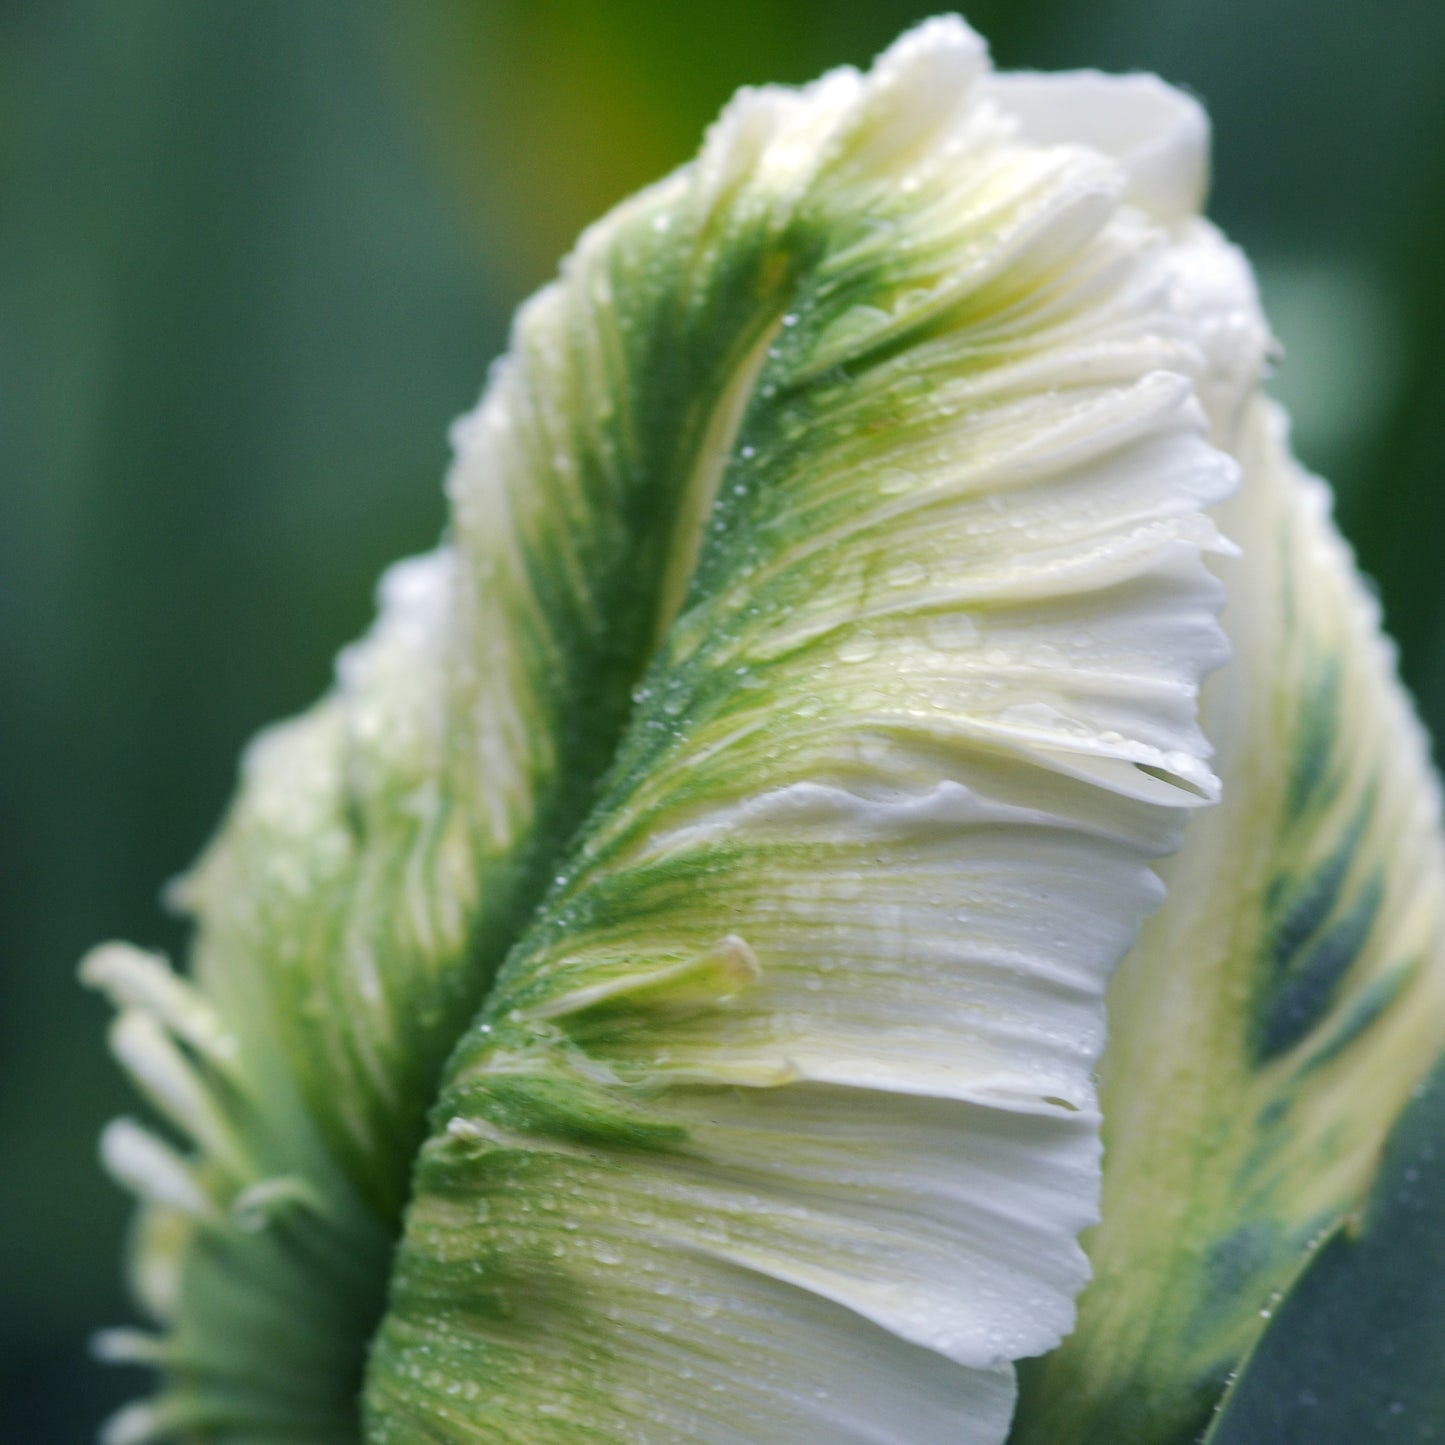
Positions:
(1274, 1016)
(805, 1028)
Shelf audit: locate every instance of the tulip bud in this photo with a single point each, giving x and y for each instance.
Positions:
(660, 993)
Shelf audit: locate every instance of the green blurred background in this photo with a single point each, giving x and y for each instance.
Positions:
(254, 257)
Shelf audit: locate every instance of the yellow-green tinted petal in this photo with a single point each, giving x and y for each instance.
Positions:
(1273, 1018)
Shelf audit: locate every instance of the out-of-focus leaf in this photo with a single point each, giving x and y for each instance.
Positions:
(615, 95)
(1355, 1352)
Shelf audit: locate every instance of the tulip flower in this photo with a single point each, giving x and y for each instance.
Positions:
(884, 844)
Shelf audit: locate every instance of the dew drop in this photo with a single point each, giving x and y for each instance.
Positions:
(952, 632)
(858, 648)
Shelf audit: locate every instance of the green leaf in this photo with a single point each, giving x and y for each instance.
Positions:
(1353, 1352)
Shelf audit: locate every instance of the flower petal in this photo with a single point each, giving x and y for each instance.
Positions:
(1284, 1002)
(1159, 134)
(891, 790)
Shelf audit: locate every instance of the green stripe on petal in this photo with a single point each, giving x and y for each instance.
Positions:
(1273, 1018)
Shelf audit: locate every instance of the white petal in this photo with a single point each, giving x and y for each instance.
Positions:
(1158, 133)
(135, 979)
(154, 1170)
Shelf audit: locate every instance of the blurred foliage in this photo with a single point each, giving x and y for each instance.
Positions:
(1352, 1354)
(254, 257)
